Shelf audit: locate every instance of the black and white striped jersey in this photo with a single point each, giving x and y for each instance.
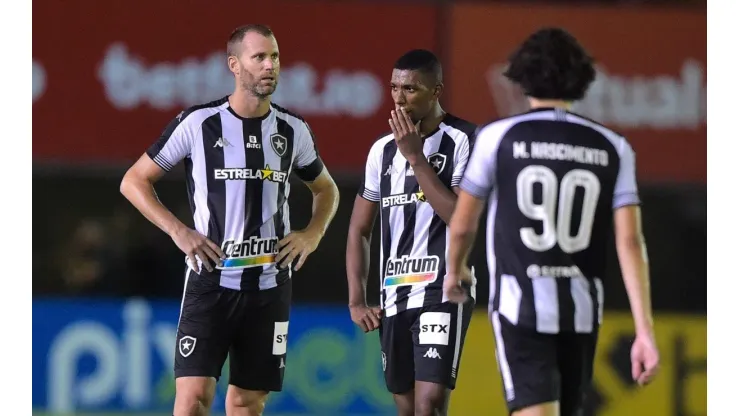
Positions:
(237, 172)
(413, 246)
(552, 179)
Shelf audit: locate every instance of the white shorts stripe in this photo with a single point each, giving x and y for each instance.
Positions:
(458, 339)
(501, 358)
(182, 301)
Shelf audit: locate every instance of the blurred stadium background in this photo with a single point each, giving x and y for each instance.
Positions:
(108, 76)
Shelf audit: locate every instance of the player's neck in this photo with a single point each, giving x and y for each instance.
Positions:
(537, 103)
(430, 123)
(249, 106)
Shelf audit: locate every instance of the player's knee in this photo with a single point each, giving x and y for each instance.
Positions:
(430, 406)
(247, 402)
(431, 402)
(405, 403)
(194, 397)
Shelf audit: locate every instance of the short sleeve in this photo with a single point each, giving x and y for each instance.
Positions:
(625, 189)
(462, 155)
(480, 175)
(370, 186)
(308, 164)
(175, 144)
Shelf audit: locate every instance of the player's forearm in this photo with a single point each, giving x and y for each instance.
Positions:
(635, 271)
(141, 194)
(437, 194)
(358, 266)
(462, 237)
(325, 203)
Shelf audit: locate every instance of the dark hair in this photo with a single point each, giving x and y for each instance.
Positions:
(237, 36)
(421, 60)
(551, 64)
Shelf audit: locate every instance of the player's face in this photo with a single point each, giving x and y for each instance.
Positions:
(258, 65)
(413, 91)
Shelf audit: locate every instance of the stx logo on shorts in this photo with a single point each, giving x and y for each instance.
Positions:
(280, 339)
(434, 328)
(410, 270)
(186, 345)
(266, 174)
(404, 199)
(254, 252)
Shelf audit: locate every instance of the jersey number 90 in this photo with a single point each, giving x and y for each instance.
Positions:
(556, 225)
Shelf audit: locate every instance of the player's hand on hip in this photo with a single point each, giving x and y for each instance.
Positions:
(645, 359)
(452, 286)
(406, 135)
(197, 246)
(296, 244)
(366, 317)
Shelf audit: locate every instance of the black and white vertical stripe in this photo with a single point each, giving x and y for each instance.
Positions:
(414, 230)
(212, 136)
(549, 304)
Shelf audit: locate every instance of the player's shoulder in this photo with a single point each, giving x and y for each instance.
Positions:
(617, 139)
(459, 127)
(292, 118)
(381, 142)
(196, 113)
(287, 114)
(189, 120)
(504, 124)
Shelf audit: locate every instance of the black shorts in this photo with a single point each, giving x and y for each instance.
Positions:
(538, 368)
(424, 344)
(250, 327)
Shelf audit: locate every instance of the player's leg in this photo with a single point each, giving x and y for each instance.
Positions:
(439, 335)
(397, 350)
(576, 359)
(202, 344)
(529, 369)
(259, 352)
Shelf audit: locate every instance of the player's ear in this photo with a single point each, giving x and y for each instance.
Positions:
(233, 63)
(438, 90)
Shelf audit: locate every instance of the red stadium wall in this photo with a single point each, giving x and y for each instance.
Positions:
(108, 76)
(652, 83)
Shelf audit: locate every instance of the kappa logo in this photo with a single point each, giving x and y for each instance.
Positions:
(432, 353)
(186, 346)
(438, 162)
(279, 144)
(221, 142)
(384, 359)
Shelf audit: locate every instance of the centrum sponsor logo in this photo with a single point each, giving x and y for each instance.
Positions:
(404, 199)
(410, 270)
(265, 174)
(251, 253)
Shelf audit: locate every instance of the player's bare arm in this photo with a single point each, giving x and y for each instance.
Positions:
(138, 187)
(358, 263)
(410, 145)
(463, 229)
(633, 262)
(302, 243)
